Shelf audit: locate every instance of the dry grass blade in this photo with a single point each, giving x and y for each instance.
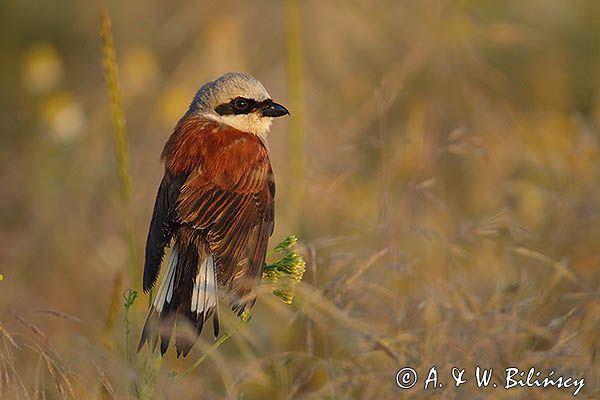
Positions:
(343, 284)
(582, 296)
(315, 301)
(105, 381)
(8, 368)
(361, 269)
(37, 331)
(58, 372)
(8, 338)
(560, 266)
(63, 315)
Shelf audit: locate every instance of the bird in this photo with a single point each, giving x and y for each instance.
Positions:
(214, 208)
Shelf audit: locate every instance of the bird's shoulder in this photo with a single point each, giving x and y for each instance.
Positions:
(213, 153)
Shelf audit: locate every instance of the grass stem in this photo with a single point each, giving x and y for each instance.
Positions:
(203, 357)
(295, 60)
(109, 58)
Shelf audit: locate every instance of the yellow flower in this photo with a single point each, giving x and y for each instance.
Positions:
(285, 273)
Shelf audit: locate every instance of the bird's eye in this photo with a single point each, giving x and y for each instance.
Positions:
(240, 104)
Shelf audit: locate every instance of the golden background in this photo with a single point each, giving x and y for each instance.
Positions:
(441, 168)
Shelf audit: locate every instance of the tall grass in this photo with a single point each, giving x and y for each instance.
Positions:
(296, 152)
(120, 137)
(129, 298)
(121, 152)
(116, 108)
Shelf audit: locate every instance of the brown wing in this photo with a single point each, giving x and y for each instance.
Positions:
(229, 197)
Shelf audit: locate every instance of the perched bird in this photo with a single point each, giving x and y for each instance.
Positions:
(216, 204)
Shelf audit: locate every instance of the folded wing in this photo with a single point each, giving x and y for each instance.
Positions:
(161, 227)
(230, 199)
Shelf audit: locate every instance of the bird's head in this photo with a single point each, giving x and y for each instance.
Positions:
(240, 101)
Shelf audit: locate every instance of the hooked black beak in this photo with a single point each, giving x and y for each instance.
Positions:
(274, 110)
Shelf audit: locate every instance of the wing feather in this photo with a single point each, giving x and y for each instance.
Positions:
(230, 199)
(161, 226)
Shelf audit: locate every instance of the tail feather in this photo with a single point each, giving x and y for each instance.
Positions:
(216, 307)
(187, 296)
(165, 291)
(204, 293)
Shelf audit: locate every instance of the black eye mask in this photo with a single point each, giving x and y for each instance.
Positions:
(241, 105)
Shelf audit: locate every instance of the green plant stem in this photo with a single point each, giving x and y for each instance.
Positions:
(152, 365)
(203, 357)
(129, 296)
(109, 59)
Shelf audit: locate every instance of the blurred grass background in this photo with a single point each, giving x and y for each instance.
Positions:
(441, 169)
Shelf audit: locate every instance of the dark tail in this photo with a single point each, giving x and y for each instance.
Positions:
(187, 295)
